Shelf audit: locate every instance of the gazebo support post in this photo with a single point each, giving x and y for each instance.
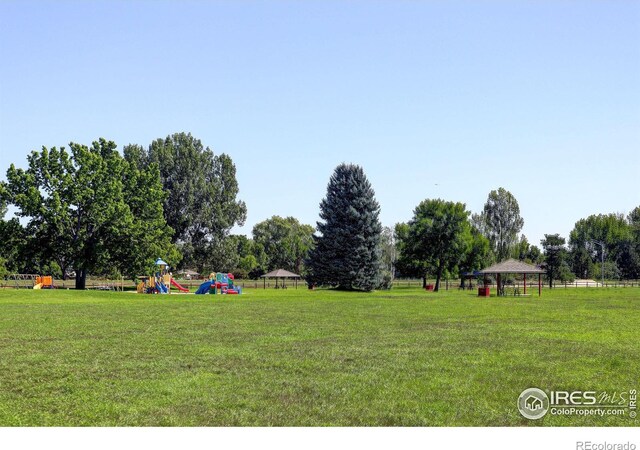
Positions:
(525, 283)
(498, 285)
(539, 285)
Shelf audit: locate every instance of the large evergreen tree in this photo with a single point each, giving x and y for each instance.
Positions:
(347, 251)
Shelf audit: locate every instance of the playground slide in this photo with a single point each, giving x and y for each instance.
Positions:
(178, 286)
(161, 288)
(204, 288)
(38, 286)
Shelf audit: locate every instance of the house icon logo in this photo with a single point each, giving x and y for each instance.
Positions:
(533, 403)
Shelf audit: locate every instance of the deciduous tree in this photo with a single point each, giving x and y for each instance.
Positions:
(201, 205)
(91, 211)
(555, 256)
(478, 253)
(616, 233)
(286, 242)
(500, 221)
(438, 236)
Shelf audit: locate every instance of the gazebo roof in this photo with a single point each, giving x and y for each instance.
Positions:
(280, 273)
(188, 272)
(512, 266)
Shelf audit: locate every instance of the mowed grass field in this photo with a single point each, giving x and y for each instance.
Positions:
(297, 357)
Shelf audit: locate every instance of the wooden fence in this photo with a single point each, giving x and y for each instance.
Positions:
(27, 281)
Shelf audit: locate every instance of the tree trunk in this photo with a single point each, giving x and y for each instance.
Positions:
(81, 278)
(439, 275)
(424, 282)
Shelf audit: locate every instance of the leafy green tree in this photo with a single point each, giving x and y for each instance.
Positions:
(534, 255)
(388, 251)
(257, 250)
(244, 245)
(628, 259)
(629, 256)
(406, 263)
(634, 221)
(611, 270)
(500, 221)
(286, 242)
(555, 257)
(478, 254)
(582, 264)
(347, 251)
(248, 263)
(90, 211)
(13, 245)
(3, 267)
(439, 236)
(524, 251)
(614, 231)
(4, 196)
(4, 248)
(201, 205)
(222, 255)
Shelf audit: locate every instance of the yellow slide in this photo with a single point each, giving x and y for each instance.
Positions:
(38, 286)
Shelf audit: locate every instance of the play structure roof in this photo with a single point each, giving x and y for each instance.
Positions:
(159, 261)
(281, 273)
(511, 266)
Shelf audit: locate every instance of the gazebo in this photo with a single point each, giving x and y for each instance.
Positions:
(188, 273)
(516, 267)
(280, 274)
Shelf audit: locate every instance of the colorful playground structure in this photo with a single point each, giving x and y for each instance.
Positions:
(160, 282)
(222, 283)
(45, 282)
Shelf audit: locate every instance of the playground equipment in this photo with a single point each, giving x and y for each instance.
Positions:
(222, 283)
(178, 286)
(44, 282)
(160, 282)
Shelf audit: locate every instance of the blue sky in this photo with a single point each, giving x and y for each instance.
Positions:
(433, 99)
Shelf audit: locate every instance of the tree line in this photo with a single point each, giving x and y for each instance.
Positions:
(83, 210)
(93, 210)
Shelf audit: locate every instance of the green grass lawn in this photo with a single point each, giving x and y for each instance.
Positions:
(299, 357)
